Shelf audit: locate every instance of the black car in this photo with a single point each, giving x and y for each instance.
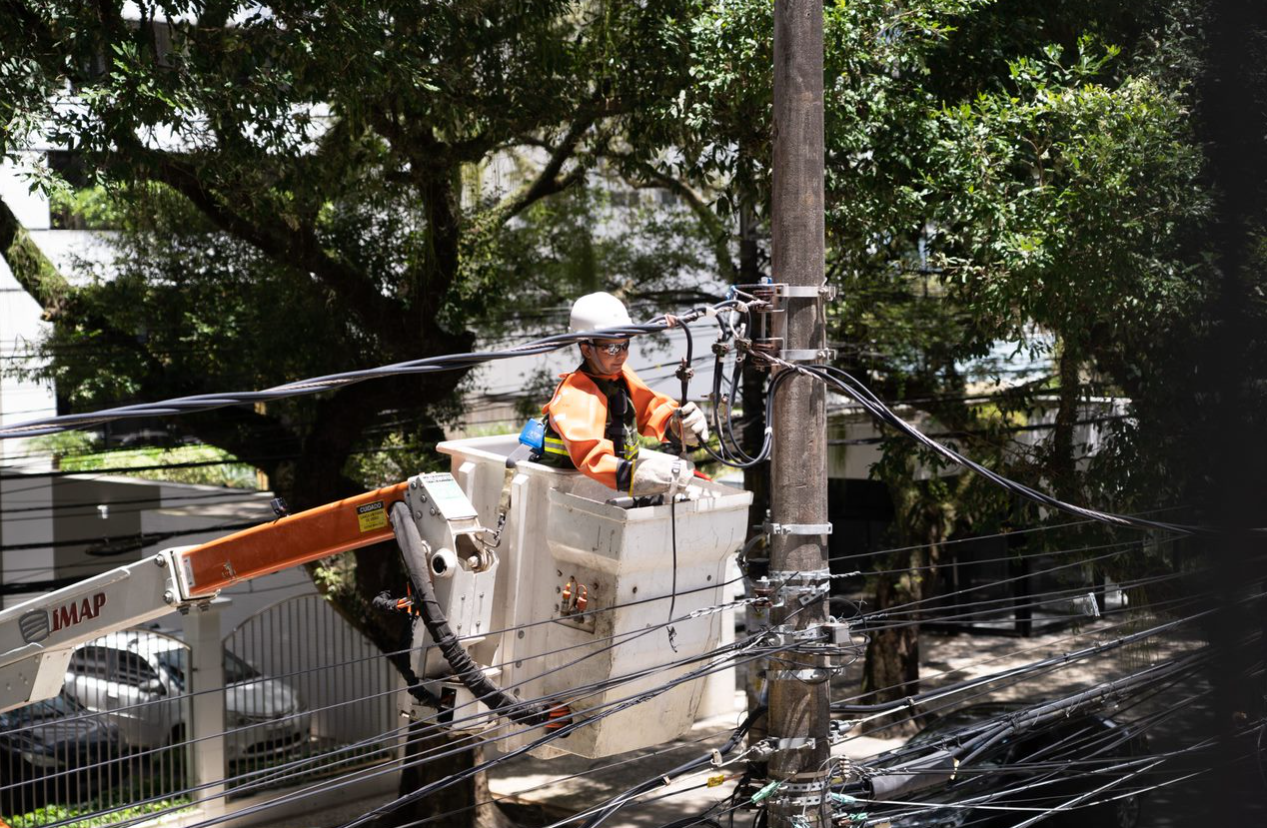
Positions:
(1017, 774)
(55, 751)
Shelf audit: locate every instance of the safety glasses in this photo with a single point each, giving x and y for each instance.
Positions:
(611, 349)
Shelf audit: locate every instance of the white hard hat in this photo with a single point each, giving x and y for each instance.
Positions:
(598, 310)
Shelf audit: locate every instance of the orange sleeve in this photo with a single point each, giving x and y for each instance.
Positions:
(654, 410)
(578, 412)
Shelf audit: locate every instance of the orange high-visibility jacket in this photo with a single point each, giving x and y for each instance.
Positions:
(578, 413)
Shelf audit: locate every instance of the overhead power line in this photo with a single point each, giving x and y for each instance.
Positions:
(316, 385)
(733, 456)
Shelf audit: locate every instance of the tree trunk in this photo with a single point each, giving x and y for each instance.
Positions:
(891, 670)
(1062, 462)
(351, 582)
(456, 805)
(892, 660)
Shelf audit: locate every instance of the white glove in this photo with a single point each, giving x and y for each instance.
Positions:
(654, 473)
(691, 420)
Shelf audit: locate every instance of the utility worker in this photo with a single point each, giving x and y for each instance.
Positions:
(597, 412)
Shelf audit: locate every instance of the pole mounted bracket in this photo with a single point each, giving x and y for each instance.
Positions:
(797, 528)
(785, 635)
(802, 794)
(808, 355)
(807, 675)
(799, 576)
(805, 587)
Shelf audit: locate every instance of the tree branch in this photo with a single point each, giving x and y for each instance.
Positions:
(35, 273)
(719, 235)
(298, 246)
(548, 180)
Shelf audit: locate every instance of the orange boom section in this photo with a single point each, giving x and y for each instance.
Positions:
(291, 541)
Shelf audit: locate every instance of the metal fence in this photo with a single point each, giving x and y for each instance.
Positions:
(306, 695)
(115, 740)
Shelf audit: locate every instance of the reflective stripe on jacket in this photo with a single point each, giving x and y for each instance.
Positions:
(577, 420)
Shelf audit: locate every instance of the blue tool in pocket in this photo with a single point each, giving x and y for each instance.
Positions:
(533, 435)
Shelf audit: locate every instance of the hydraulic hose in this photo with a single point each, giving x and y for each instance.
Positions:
(433, 618)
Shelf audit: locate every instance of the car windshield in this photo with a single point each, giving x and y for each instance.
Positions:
(175, 662)
(236, 670)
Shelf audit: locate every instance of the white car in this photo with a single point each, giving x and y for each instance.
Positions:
(140, 675)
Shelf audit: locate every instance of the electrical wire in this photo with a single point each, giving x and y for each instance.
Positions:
(315, 385)
(706, 655)
(856, 391)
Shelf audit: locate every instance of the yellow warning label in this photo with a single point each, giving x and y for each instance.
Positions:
(371, 516)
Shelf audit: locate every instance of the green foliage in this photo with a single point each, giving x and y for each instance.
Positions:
(68, 815)
(1066, 200)
(609, 238)
(89, 208)
(82, 453)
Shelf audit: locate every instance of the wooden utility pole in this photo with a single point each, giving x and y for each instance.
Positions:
(799, 716)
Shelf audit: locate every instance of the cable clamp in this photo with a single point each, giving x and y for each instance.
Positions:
(785, 635)
(762, 750)
(838, 731)
(805, 594)
(810, 594)
(795, 743)
(797, 528)
(836, 633)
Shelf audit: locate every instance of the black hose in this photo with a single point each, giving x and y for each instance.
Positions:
(464, 668)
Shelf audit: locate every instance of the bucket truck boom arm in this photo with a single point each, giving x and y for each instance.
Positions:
(38, 636)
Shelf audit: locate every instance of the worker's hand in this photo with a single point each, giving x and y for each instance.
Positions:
(691, 425)
(654, 473)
